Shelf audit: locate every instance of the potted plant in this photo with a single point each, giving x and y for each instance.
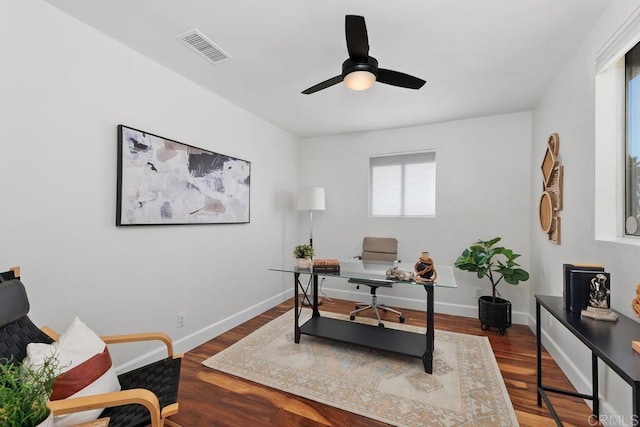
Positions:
(303, 254)
(496, 263)
(24, 393)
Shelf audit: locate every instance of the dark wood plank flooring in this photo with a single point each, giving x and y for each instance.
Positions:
(211, 398)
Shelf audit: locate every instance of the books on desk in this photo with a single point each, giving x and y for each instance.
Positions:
(577, 280)
(326, 265)
(587, 291)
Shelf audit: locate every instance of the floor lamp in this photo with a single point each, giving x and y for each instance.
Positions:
(311, 199)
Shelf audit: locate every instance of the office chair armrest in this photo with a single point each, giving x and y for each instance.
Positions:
(144, 336)
(138, 396)
(117, 339)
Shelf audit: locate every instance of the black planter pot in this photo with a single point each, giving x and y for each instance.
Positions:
(494, 314)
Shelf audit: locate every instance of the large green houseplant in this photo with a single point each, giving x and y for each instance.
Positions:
(496, 263)
(24, 392)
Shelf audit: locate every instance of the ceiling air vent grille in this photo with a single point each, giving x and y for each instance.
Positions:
(204, 47)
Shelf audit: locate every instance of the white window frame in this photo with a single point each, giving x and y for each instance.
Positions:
(403, 159)
(610, 133)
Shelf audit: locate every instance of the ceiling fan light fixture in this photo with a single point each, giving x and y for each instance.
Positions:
(359, 80)
(360, 71)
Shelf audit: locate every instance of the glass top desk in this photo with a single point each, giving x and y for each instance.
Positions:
(367, 272)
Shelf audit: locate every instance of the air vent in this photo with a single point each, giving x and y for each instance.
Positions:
(204, 47)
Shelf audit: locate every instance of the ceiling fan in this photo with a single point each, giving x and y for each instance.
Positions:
(360, 71)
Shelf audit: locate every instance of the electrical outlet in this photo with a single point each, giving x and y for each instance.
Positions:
(478, 292)
(180, 320)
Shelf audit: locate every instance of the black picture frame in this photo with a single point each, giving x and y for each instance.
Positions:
(166, 182)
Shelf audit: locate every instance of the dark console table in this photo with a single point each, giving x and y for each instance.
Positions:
(409, 343)
(608, 341)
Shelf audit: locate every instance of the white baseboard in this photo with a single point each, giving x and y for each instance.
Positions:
(207, 333)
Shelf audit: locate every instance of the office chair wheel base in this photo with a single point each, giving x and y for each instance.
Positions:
(381, 325)
(401, 319)
(352, 317)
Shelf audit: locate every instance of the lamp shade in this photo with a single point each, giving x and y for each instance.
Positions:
(310, 199)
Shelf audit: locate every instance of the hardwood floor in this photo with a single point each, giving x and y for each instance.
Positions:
(211, 398)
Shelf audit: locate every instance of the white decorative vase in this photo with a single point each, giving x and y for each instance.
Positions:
(48, 422)
(303, 263)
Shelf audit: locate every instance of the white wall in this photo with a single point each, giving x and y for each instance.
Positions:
(482, 191)
(63, 89)
(567, 107)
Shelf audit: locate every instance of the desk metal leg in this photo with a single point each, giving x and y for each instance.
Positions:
(594, 380)
(296, 325)
(539, 353)
(316, 313)
(297, 286)
(636, 402)
(427, 357)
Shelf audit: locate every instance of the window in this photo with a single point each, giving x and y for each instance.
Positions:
(617, 135)
(403, 185)
(632, 175)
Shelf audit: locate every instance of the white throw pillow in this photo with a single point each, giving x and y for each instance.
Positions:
(85, 362)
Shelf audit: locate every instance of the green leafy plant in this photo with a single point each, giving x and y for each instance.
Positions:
(24, 392)
(303, 251)
(493, 262)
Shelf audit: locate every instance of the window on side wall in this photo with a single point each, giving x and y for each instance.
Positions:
(403, 185)
(632, 146)
(617, 135)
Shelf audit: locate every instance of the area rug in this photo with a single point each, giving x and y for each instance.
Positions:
(466, 388)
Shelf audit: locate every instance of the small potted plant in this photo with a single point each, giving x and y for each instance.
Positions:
(496, 263)
(303, 254)
(24, 393)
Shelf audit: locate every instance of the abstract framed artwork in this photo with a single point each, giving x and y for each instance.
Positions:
(161, 181)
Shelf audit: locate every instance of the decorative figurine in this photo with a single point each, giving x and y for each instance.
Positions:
(598, 305)
(599, 292)
(425, 269)
(396, 273)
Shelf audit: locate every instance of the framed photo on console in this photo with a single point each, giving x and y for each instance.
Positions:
(161, 181)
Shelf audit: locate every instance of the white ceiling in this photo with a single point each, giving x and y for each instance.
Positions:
(479, 57)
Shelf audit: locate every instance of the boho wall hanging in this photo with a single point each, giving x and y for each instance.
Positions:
(551, 199)
(161, 181)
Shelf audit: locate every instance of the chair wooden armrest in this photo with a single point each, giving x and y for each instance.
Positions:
(124, 338)
(137, 396)
(144, 336)
(53, 334)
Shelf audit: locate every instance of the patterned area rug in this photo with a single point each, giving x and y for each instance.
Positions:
(466, 388)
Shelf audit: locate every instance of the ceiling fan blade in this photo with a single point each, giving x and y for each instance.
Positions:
(325, 84)
(396, 78)
(356, 33)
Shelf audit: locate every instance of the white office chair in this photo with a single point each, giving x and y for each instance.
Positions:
(377, 249)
